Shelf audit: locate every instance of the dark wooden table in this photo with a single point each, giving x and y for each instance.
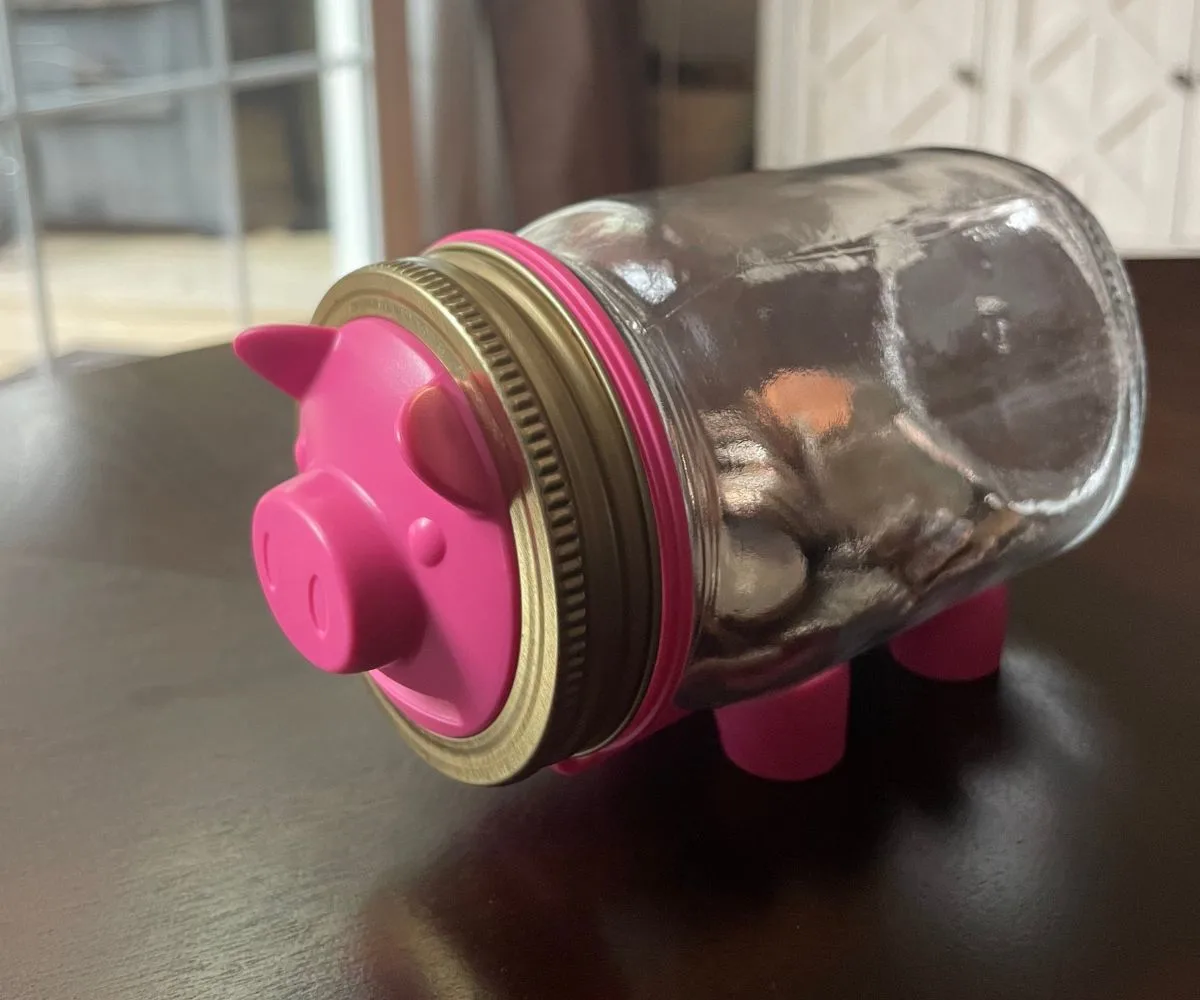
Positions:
(188, 811)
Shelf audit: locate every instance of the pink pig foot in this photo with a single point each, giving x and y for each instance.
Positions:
(792, 735)
(962, 643)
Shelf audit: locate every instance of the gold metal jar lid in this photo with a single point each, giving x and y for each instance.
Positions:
(580, 512)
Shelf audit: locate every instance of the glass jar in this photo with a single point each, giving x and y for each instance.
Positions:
(889, 383)
(691, 448)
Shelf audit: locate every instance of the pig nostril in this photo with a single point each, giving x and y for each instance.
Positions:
(316, 604)
(264, 559)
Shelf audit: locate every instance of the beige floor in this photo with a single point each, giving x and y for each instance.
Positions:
(155, 294)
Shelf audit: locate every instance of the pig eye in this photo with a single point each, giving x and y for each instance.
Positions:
(426, 541)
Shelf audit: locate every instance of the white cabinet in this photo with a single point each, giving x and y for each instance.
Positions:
(1093, 100)
(1099, 93)
(868, 74)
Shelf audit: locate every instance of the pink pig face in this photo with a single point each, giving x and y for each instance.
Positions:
(390, 550)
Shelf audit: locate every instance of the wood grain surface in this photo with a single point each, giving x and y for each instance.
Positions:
(188, 811)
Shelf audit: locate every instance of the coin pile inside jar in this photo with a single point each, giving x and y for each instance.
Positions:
(840, 516)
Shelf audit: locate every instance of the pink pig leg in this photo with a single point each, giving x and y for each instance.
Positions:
(791, 735)
(963, 643)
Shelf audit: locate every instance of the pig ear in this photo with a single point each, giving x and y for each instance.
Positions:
(288, 357)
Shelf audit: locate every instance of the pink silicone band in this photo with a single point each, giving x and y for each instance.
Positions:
(654, 449)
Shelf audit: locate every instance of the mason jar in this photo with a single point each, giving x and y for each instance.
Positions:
(695, 449)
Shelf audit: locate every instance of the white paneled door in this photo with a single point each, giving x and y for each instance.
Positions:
(1095, 99)
(1101, 94)
(878, 74)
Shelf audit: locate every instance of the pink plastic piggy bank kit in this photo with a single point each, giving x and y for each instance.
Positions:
(693, 450)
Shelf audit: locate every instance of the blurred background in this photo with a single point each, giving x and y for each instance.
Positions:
(174, 170)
